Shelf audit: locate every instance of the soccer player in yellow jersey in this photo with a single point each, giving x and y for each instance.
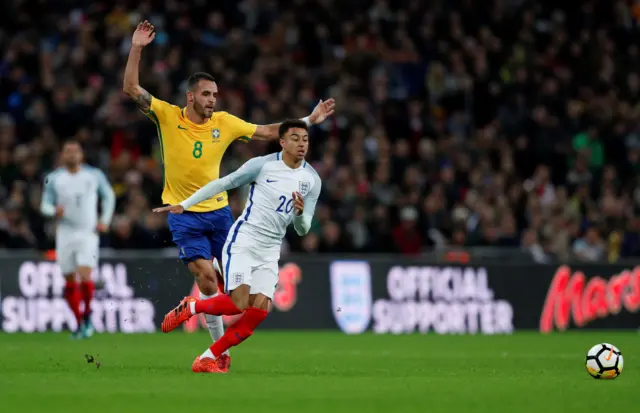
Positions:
(193, 140)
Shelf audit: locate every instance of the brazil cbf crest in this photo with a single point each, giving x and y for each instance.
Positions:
(215, 134)
(351, 295)
(304, 188)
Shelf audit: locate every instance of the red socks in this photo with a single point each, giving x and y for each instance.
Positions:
(221, 304)
(237, 332)
(240, 330)
(72, 295)
(87, 288)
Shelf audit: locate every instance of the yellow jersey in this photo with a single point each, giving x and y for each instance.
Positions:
(192, 153)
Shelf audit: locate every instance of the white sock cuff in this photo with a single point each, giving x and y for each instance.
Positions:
(204, 296)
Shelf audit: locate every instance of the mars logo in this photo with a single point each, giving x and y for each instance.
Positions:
(38, 304)
(284, 298)
(571, 298)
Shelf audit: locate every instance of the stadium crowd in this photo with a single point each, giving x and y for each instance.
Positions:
(457, 124)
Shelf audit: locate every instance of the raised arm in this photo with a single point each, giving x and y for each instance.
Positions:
(245, 174)
(143, 35)
(322, 111)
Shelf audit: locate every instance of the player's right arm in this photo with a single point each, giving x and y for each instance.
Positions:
(143, 35)
(247, 173)
(302, 222)
(247, 131)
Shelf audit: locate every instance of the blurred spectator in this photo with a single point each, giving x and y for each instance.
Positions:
(498, 124)
(631, 238)
(531, 246)
(15, 229)
(406, 234)
(333, 239)
(590, 247)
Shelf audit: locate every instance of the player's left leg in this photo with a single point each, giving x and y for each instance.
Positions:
(73, 297)
(66, 260)
(212, 360)
(254, 314)
(87, 259)
(254, 300)
(87, 289)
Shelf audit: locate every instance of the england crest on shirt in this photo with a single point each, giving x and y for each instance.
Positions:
(215, 134)
(305, 186)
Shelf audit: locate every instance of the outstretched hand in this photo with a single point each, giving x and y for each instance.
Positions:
(144, 34)
(174, 209)
(322, 111)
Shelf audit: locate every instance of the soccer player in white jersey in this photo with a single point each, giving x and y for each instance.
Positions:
(284, 189)
(71, 196)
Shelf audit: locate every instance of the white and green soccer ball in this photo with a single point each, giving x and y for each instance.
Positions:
(604, 361)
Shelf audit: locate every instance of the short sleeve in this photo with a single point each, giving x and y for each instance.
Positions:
(239, 129)
(159, 110)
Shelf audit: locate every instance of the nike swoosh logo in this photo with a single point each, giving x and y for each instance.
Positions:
(240, 337)
(270, 181)
(182, 127)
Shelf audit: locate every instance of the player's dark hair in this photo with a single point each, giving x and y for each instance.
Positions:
(71, 141)
(290, 124)
(195, 78)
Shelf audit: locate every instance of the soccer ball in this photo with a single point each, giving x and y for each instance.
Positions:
(604, 361)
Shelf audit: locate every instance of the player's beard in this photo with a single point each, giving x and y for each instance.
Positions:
(202, 111)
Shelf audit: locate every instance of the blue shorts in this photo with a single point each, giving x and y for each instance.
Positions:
(200, 234)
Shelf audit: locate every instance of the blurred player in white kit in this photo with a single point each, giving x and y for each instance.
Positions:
(284, 189)
(71, 196)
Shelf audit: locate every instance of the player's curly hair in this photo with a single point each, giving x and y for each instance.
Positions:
(290, 124)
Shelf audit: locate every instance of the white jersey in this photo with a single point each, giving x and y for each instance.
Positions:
(269, 208)
(77, 193)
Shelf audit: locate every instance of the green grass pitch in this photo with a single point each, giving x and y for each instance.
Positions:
(315, 372)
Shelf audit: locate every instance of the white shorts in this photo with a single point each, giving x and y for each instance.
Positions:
(246, 264)
(77, 251)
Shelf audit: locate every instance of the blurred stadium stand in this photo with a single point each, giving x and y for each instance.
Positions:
(507, 125)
